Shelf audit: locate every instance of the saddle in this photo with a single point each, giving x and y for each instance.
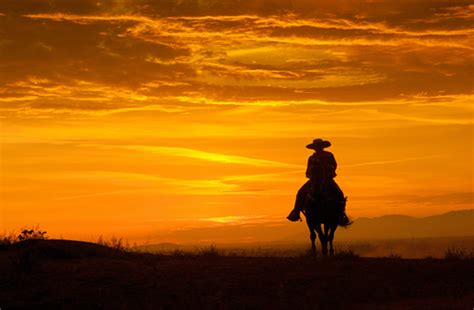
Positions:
(323, 191)
(321, 194)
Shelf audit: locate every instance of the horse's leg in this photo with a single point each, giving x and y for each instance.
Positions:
(322, 239)
(312, 236)
(332, 230)
(326, 238)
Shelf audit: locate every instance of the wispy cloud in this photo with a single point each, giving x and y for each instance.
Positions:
(137, 61)
(234, 219)
(126, 183)
(199, 27)
(386, 162)
(198, 154)
(90, 195)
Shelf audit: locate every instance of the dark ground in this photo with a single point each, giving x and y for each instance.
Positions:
(59, 274)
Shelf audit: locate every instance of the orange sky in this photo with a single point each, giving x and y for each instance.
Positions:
(142, 117)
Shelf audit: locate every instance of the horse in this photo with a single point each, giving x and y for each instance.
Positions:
(323, 208)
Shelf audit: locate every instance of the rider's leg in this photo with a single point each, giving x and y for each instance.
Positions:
(337, 190)
(301, 196)
(299, 203)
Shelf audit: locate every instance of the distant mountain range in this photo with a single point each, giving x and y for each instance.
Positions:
(452, 224)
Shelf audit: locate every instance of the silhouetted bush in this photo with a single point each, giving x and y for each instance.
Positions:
(25, 233)
(32, 233)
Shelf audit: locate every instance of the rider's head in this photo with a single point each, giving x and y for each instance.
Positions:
(318, 145)
(318, 149)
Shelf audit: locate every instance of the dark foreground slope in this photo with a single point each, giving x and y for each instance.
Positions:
(58, 274)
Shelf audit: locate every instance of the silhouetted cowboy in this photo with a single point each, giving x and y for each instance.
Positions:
(321, 172)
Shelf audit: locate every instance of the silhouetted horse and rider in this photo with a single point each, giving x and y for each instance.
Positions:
(320, 198)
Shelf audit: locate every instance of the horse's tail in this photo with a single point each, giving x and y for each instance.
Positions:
(345, 222)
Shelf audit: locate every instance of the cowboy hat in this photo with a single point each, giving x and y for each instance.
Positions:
(319, 143)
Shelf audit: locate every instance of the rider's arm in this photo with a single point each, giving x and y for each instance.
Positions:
(333, 161)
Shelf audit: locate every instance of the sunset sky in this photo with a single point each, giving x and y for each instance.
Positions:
(144, 117)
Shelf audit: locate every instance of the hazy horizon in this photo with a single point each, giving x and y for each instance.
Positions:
(278, 233)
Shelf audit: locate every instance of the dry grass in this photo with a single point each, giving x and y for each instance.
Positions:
(453, 253)
(114, 243)
(346, 254)
(394, 256)
(6, 240)
(79, 275)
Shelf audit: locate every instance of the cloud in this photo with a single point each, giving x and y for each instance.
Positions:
(121, 183)
(202, 155)
(449, 198)
(132, 56)
(291, 29)
(234, 219)
(385, 162)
